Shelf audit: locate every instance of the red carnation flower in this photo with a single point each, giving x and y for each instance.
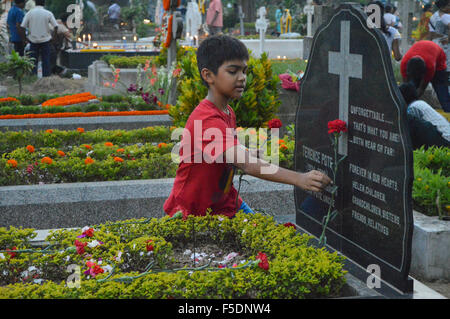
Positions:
(89, 232)
(264, 263)
(149, 246)
(80, 246)
(289, 225)
(274, 123)
(9, 252)
(337, 126)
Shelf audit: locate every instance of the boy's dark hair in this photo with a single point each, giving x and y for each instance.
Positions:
(388, 8)
(40, 2)
(415, 70)
(216, 50)
(19, 1)
(409, 92)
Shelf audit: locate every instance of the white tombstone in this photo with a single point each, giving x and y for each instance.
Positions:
(309, 11)
(159, 11)
(193, 21)
(261, 25)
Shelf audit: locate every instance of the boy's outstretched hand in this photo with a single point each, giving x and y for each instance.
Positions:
(313, 181)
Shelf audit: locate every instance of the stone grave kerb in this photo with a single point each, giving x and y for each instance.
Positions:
(385, 237)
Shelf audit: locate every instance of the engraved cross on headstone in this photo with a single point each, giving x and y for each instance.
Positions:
(345, 65)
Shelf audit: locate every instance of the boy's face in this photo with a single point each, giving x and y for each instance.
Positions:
(230, 79)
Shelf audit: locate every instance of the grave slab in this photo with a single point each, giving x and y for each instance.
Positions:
(78, 204)
(349, 77)
(88, 123)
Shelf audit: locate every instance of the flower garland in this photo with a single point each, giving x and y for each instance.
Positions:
(166, 4)
(102, 50)
(81, 114)
(169, 32)
(70, 99)
(8, 99)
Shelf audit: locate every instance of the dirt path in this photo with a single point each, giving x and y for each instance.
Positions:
(48, 85)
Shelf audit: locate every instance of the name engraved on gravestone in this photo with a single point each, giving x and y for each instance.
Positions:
(349, 76)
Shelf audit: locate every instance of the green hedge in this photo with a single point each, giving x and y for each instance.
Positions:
(11, 140)
(116, 155)
(295, 269)
(113, 103)
(127, 62)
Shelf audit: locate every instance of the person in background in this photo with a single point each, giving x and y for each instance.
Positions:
(439, 26)
(30, 4)
(390, 33)
(423, 29)
(427, 127)
(42, 27)
(61, 42)
(114, 14)
(214, 17)
(389, 16)
(17, 34)
(424, 63)
(278, 15)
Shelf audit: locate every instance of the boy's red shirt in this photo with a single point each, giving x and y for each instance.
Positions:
(199, 186)
(431, 53)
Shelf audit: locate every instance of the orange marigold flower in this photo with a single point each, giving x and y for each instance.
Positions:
(88, 161)
(61, 153)
(120, 150)
(80, 129)
(89, 147)
(118, 159)
(281, 142)
(12, 163)
(47, 160)
(30, 148)
(283, 147)
(109, 144)
(162, 145)
(49, 131)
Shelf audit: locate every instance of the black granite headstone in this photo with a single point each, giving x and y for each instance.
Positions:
(350, 77)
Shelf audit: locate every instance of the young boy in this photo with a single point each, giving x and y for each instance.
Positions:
(207, 184)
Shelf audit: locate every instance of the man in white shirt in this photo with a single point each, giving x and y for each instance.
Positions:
(39, 23)
(114, 14)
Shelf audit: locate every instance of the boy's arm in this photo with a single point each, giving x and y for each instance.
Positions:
(242, 159)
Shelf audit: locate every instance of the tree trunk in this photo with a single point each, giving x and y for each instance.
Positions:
(249, 9)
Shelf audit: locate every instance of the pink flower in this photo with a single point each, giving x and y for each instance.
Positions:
(153, 81)
(176, 72)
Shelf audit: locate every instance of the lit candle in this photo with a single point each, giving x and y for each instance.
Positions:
(89, 40)
(84, 38)
(79, 40)
(124, 42)
(135, 40)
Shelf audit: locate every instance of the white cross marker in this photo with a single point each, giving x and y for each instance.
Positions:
(345, 65)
